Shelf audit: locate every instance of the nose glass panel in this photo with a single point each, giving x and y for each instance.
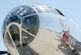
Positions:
(14, 18)
(8, 40)
(31, 24)
(15, 34)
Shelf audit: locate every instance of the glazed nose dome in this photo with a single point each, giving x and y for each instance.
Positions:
(24, 21)
(20, 26)
(28, 15)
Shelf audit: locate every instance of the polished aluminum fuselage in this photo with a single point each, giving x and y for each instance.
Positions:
(45, 42)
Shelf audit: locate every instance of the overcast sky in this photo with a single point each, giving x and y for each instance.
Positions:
(71, 8)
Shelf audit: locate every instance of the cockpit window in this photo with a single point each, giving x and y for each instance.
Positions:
(14, 19)
(15, 34)
(27, 39)
(8, 40)
(24, 10)
(30, 20)
(31, 24)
